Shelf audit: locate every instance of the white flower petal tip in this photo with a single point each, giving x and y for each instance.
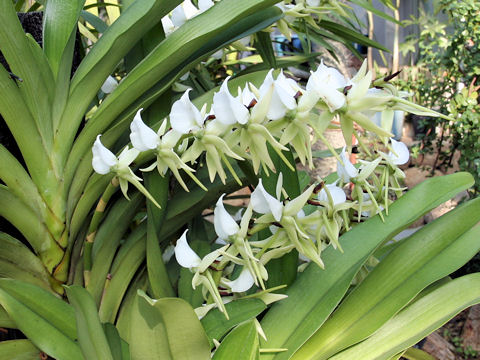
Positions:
(184, 116)
(184, 254)
(282, 97)
(103, 159)
(244, 281)
(109, 85)
(223, 222)
(264, 203)
(228, 109)
(142, 137)
(337, 194)
(402, 155)
(313, 3)
(168, 26)
(346, 171)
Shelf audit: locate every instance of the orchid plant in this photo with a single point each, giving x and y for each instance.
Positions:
(129, 245)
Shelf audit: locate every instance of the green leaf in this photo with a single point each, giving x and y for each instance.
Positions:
(18, 262)
(263, 44)
(292, 321)
(5, 320)
(18, 350)
(127, 261)
(369, 7)
(166, 328)
(47, 321)
(157, 272)
(242, 341)
(431, 253)
(95, 21)
(107, 241)
(59, 25)
(118, 346)
(417, 320)
(216, 325)
(91, 337)
(350, 35)
(417, 354)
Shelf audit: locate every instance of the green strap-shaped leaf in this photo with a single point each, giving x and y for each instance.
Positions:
(316, 292)
(5, 320)
(107, 241)
(59, 23)
(91, 337)
(216, 325)
(241, 344)
(47, 321)
(157, 272)
(417, 320)
(33, 228)
(19, 350)
(263, 44)
(431, 253)
(166, 329)
(126, 263)
(22, 59)
(118, 346)
(18, 262)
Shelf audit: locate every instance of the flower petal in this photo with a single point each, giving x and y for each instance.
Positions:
(346, 171)
(204, 5)
(223, 222)
(142, 137)
(184, 254)
(109, 85)
(228, 109)
(264, 203)
(244, 281)
(337, 194)
(401, 155)
(184, 116)
(103, 159)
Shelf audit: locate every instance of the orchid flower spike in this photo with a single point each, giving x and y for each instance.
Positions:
(184, 116)
(109, 85)
(325, 83)
(400, 154)
(142, 137)
(264, 203)
(228, 109)
(346, 171)
(225, 225)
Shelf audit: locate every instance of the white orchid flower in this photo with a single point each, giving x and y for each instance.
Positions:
(241, 284)
(313, 3)
(225, 225)
(103, 159)
(325, 83)
(142, 137)
(184, 254)
(346, 171)
(183, 12)
(184, 116)
(204, 5)
(337, 194)
(264, 203)
(109, 85)
(228, 109)
(400, 154)
(168, 26)
(282, 97)
(104, 162)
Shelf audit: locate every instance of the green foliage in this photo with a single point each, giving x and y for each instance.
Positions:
(447, 79)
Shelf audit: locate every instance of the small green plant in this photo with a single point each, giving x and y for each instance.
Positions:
(457, 341)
